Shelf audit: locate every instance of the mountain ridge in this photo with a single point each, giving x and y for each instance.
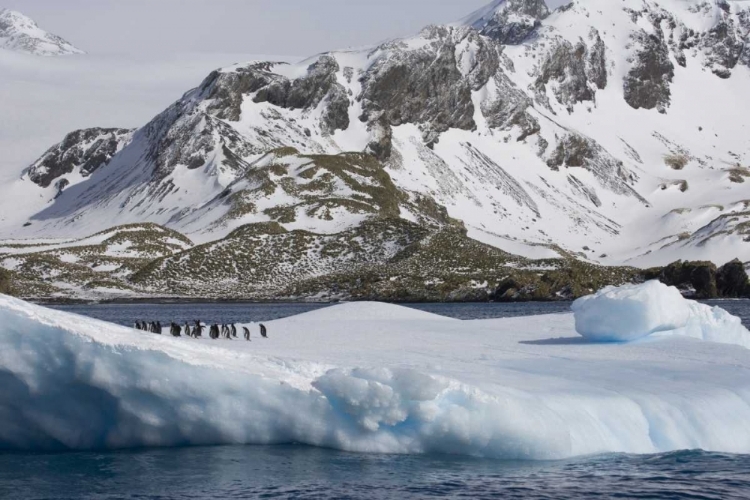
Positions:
(20, 33)
(576, 129)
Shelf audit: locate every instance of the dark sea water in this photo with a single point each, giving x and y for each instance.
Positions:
(300, 472)
(127, 314)
(303, 472)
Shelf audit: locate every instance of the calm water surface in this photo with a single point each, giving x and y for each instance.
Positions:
(127, 314)
(302, 472)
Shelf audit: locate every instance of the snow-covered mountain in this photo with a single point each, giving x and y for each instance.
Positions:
(613, 130)
(20, 33)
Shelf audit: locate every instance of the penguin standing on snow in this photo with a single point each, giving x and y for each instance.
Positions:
(263, 331)
(198, 330)
(175, 330)
(234, 330)
(187, 330)
(246, 332)
(158, 327)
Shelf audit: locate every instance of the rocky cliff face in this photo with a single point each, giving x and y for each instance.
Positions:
(80, 153)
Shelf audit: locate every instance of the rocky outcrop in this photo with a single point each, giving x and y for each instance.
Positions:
(82, 151)
(225, 91)
(574, 150)
(725, 45)
(647, 84)
(694, 279)
(513, 21)
(309, 91)
(577, 71)
(424, 87)
(732, 280)
(702, 280)
(184, 135)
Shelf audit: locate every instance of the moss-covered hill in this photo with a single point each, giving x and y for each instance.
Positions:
(86, 267)
(384, 258)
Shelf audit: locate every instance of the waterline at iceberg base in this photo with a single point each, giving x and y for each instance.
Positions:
(372, 377)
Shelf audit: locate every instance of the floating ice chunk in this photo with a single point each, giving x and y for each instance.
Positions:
(713, 324)
(416, 384)
(630, 312)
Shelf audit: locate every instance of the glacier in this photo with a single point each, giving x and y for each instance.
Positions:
(369, 377)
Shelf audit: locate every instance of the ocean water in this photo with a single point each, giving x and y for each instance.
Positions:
(305, 472)
(286, 472)
(127, 314)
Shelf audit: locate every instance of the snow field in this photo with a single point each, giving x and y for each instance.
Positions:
(368, 378)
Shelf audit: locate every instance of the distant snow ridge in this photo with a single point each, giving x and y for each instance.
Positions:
(424, 385)
(20, 33)
(631, 312)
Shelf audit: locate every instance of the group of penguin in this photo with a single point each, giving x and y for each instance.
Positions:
(215, 331)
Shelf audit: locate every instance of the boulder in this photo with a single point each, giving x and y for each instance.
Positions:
(694, 279)
(732, 280)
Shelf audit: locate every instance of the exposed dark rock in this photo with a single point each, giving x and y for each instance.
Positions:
(183, 136)
(725, 43)
(694, 279)
(596, 64)
(226, 90)
(578, 71)
(575, 150)
(732, 280)
(566, 65)
(509, 108)
(423, 87)
(515, 21)
(647, 84)
(310, 90)
(86, 150)
(381, 145)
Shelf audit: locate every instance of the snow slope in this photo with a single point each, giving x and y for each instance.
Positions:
(20, 33)
(370, 378)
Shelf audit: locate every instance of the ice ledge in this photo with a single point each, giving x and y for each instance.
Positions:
(523, 388)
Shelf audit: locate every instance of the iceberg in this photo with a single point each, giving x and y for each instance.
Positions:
(636, 311)
(371, 378)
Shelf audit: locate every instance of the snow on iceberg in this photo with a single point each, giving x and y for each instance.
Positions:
(367, 378)
(631, 312)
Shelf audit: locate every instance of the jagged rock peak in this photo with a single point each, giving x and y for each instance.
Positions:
(508, 21)
(20, 33)
(81, 153)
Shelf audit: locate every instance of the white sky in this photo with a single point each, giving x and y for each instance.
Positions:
(279, 27)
